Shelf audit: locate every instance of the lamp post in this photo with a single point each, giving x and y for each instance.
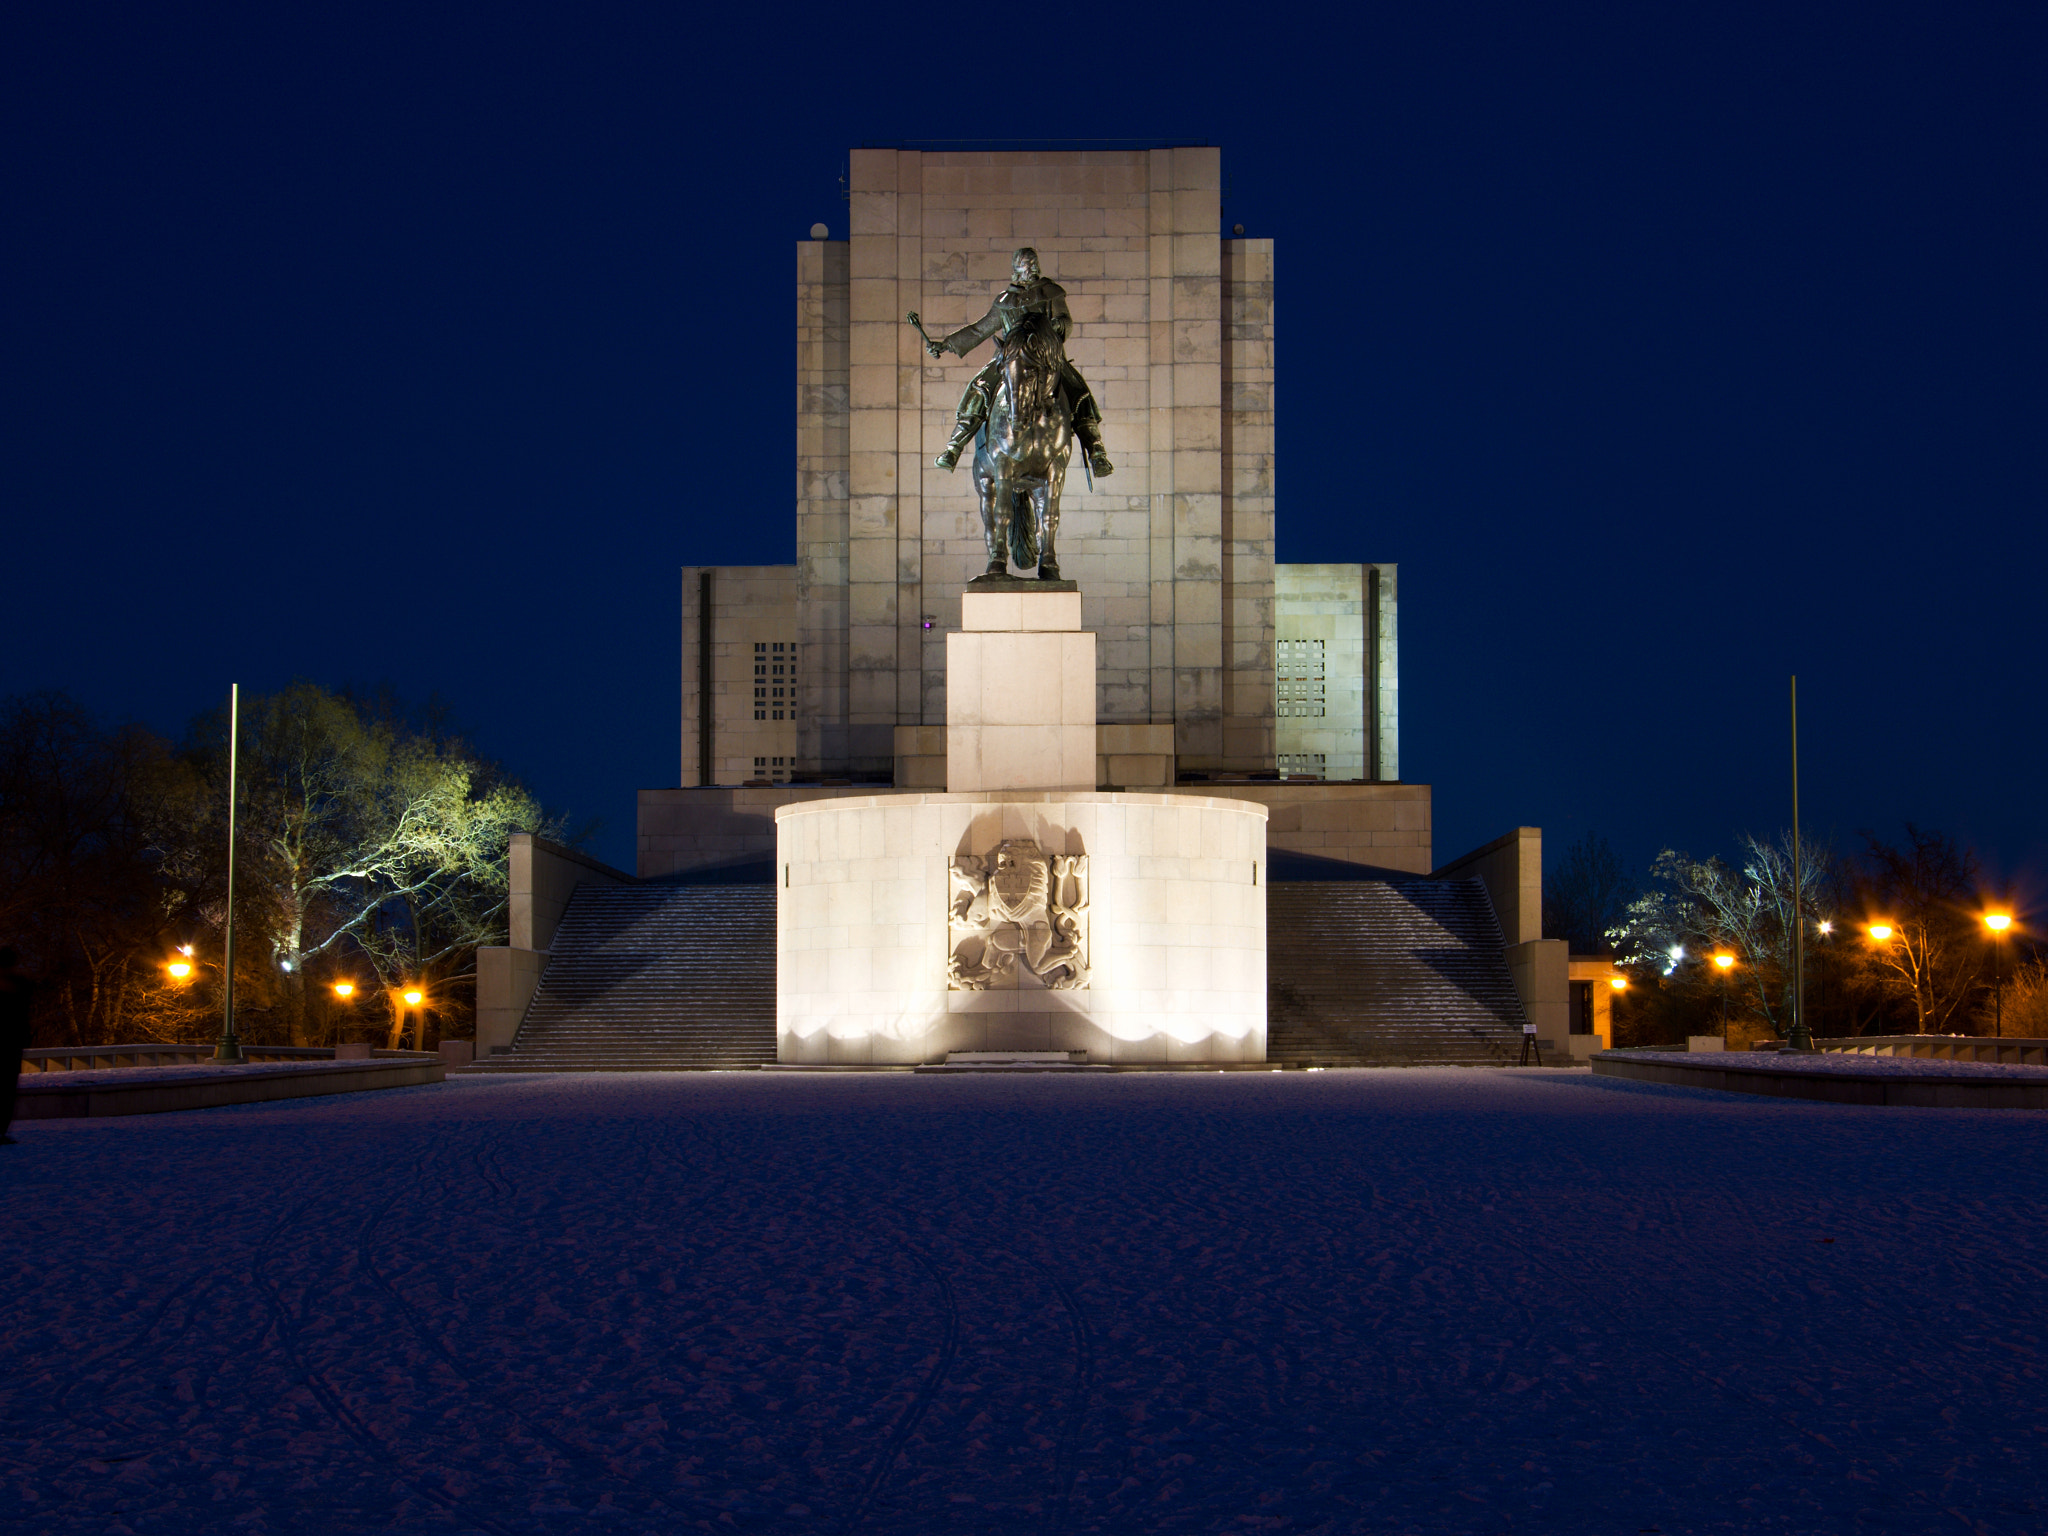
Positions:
(413, 998)
(1799, 1037)
(1998, 923)
(1826, 930)
(1726, 963)
(230, 1048)
(343, 991)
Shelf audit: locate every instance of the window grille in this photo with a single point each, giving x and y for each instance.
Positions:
(1298, 679)
(1301, 765)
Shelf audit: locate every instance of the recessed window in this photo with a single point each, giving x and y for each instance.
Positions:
(1301, 765)
(1298, 678)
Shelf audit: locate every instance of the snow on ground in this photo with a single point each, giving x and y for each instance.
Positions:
(1419, 1301)
(1842, 1063)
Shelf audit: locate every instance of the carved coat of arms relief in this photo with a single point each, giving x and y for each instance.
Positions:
(1017, 906)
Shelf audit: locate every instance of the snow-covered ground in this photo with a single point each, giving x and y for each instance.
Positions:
(1419, 1301)
(1842, 1062)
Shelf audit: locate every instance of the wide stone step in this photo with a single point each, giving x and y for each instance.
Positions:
(1373, 973)
(654, 978)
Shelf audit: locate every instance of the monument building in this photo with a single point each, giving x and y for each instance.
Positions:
(1035, 400)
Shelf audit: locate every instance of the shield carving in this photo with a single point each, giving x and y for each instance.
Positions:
(1018, 904)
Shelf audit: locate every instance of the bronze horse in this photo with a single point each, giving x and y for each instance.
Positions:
(1025, 411)
(1020, 460)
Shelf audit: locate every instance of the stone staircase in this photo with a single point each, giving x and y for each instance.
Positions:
(1368, 973)
(653, 978)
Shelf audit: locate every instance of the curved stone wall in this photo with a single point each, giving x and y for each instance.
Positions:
(1177, 940)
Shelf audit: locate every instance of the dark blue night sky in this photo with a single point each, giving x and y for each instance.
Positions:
(1669, 349)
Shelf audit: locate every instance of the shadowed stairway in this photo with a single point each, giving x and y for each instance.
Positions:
(1387, 973)
(654, 978)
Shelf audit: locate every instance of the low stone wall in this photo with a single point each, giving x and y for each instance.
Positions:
(75, 1099)
(102, 1058)
(1736, 1073)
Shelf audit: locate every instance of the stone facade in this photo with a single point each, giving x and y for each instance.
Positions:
(1173, 554)
(1336, 672)
(755, 667)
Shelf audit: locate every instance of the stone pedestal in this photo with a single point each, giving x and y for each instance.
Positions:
(1175, 914)
(1020, 694)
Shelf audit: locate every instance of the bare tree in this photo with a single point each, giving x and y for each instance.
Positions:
(1925, 893)
(1748, 910)
(370, 838)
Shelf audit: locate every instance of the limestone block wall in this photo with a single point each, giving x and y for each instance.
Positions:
(1386, 825)
(1173, 553)
(680, 830)
(1344, 615)
(1177, 919)
(1511, 869)
(758, 664)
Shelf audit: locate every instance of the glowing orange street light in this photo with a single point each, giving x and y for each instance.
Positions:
(344, 990)
(413, 997)
(1880, 931)
(1998, 923)
(1619, 983)
(1726, 962)
(181, 970)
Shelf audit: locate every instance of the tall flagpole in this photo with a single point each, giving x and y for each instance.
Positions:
(1800, 1038)
(230, 1048)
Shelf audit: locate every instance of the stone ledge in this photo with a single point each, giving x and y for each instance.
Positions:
(1890, 1089)
(80, 1100)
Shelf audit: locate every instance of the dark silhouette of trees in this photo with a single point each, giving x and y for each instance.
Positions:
(1586, 894)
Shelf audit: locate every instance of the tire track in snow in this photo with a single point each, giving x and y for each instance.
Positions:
(913, 1414)
(290, 1335)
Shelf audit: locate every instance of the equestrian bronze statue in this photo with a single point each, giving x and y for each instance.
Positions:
(1024, 412)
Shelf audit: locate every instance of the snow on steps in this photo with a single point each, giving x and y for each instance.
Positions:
(654, 978)
(1387, 973)
(1359, 973)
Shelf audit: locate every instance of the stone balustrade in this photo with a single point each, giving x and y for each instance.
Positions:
(2008, 1051)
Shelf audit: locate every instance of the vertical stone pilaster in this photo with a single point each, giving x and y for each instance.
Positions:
(910, 359)
(1159, 420)
(873, 504)
(1384, 705)
(1248, 438)
(1196, 355)
(822, 424)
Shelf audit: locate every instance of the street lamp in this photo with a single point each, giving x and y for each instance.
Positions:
(1998, 923)
(413, 998)
(180, 970)
(230, 1046)
(1726, 963)
(1881, 931)
(344, 990)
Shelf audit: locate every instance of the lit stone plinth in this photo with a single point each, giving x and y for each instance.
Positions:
(1020, 694)
(1175, 929)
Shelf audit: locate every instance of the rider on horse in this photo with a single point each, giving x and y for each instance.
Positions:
(1030, 303)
